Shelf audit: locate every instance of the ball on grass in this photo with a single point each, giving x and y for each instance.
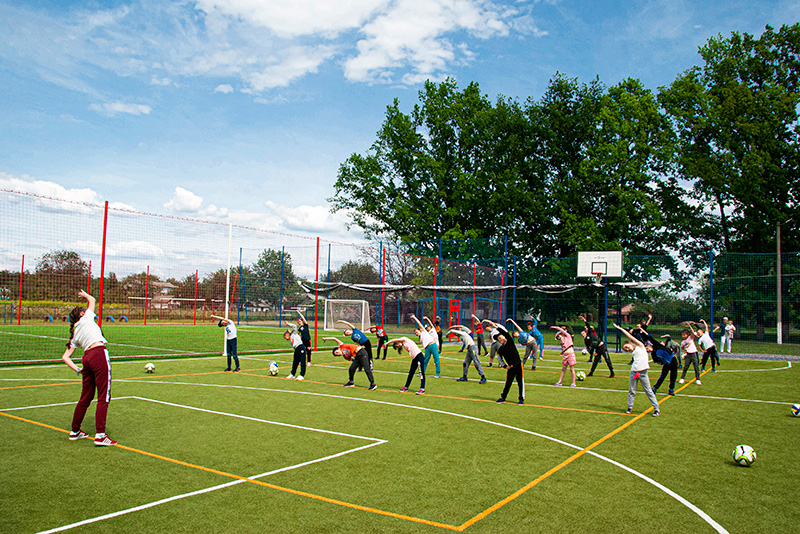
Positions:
(744, 455)
(149, 368)
(580, 375)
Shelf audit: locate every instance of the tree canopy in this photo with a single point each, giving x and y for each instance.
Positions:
(593, 167)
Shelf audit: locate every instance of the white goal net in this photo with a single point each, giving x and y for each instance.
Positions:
(355, 312)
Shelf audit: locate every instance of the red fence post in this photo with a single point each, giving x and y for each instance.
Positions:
(102, 265)
(316, 297)
(474, 278)
(194, 321)
(89, 281)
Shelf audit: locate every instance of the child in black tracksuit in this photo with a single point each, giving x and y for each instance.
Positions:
(662, 355)
(508, 351)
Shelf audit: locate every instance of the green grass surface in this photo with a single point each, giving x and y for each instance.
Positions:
(430, 463)
(36, 342)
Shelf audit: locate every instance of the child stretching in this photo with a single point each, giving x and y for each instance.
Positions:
(689, 356)
(639, 367)
(417, 361)
(472, 351)
(706, 343)
(428, 343)
(358, 358)
(564, 336)
(293, 337)
(383, 340)
(528, 341)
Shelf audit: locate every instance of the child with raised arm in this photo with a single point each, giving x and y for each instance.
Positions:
(358, 358)
(689, 350)
(514, 371)
(230, 341)
(299, 359)
(663, 355)
(597, 347)
(383, 340)
(357, 336)
(639, 367)
(305, 335)
(495, 346)
(428, 342)
(706, 343)
(537, 335)
(472, 351)
(527, 341)
(417, 361)
(479, 336)
(96, 371)
(568, 359)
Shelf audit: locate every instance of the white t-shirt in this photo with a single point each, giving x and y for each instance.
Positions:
(230, 330)
(425, 338)
(640, 359)
(86, 332)
(705, 341)
(295, 339)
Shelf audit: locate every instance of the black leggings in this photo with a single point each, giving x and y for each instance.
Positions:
(417, 366)
(514, 372)
(363, 361)
(672, 369)
(602, 350)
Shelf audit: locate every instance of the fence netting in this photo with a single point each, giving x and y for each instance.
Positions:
(163, 277)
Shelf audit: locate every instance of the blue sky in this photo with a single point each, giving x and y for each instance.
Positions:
(242, 110)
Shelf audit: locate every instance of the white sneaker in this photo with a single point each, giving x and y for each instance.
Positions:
(300, 378)
(698, 382)
(290, 377)
(681, 381)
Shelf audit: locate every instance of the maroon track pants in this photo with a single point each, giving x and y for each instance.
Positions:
(96, 375)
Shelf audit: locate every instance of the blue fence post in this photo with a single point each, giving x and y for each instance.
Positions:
(711, 289)
(514, 294)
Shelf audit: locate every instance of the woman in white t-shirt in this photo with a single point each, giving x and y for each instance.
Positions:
(639, 366)
(96, 372)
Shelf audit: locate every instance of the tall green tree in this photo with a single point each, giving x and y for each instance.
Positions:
(737, 120)
(273, 276)
(450, 168)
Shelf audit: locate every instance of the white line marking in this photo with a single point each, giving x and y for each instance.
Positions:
(52, 405)
(206, 490)
(683, 501)
(788, 366)
(258, 420)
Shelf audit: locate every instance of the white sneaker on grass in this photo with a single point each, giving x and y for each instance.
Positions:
(681, 381)
(290, 377)
(300, 378)
(698, 382)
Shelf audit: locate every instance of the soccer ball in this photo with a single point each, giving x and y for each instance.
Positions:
(580, 375)
(149, 368)
(584, 352)
(273, 369)
(796, 410)
(744, 455)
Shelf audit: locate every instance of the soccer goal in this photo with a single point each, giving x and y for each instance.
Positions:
(355, 312)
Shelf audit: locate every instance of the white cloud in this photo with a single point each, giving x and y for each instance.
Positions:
(412, 35)
(293, 18)
(298, 62)
(111, 109)
(184, 201)
(223, 88)
(263, 45)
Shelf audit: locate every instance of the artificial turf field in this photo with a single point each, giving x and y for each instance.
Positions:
(201, 450)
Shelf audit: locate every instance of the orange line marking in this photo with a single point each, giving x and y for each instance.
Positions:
(257, 482)
(563, 464)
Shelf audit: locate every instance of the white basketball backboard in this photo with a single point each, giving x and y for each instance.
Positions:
(606, 263)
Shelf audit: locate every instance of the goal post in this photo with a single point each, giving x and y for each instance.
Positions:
(355, 312)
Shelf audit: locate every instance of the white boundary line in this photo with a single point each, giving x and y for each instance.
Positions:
(206, 490)
(717, 527)
(375, 442)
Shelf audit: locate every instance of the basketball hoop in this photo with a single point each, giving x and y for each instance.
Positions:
(598, 278)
